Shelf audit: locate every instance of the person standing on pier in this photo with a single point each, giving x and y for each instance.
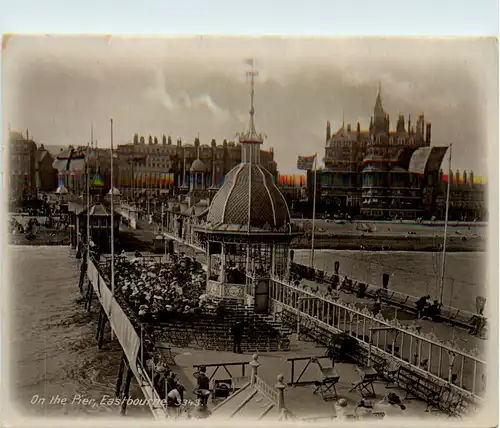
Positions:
(336, 276)
(203, 386)
(237, 336)
(421, 304)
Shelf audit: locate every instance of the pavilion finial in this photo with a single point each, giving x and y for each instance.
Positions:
(251, 134)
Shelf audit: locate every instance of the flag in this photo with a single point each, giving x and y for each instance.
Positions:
(426, 159)
(97, 181)
(305, 162)
(249, 61)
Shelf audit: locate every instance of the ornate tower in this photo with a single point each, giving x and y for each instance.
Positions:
(379, 115)
(250, 140)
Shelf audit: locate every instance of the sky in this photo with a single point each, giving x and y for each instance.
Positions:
(56, 86)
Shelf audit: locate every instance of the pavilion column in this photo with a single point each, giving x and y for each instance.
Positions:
(273, 259)
(223, 263)
(209, 262)
(247, 267)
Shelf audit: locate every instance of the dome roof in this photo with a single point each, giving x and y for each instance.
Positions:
(230, 206)
(198, 166)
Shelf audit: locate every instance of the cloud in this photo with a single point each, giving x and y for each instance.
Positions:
(159, 93)
(207, 101)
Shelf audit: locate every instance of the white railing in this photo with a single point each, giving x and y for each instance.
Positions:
(127, 336)
(267, 390)
(408, 299)
(425, 354)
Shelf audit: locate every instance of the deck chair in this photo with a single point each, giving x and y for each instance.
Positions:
(326, 387)
(391, 374)
(365, 385)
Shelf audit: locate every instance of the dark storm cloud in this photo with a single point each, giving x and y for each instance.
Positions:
(181, 87)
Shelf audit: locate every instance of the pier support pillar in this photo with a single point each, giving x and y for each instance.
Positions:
(89, 296)
(126, 390)
(103, 324)
(83, 272)
(99, 326)
(119, 381)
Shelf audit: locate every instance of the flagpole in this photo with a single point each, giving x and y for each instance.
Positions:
(88, 187)
(112, 228)
(443, 263)
(314, 210)
(88, 201)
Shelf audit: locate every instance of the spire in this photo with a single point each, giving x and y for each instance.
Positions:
(343, 118)
(378, 102)
(251, 135)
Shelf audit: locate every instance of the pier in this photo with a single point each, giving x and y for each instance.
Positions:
(433, 366)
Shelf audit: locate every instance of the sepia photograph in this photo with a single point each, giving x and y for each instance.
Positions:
(255, 229)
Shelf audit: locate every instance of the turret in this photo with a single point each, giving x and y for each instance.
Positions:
(464, 175)
(400, 127)
(420, 127)
(169, 140)
(164, 140)
(156, 140)
(328, 131)
(471, 177)
(428, 134)
(409, 124)
(150, 140)
(136, 138)
(348, 127)
(457, 177)
(141, 140)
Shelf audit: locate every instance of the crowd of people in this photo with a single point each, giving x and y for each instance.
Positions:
(152, 288)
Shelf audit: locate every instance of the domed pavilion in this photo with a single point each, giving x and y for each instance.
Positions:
(248, 228)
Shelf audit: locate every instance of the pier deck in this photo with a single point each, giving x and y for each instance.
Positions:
(300, 399)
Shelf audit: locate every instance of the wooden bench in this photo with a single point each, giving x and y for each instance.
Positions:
(418, 386)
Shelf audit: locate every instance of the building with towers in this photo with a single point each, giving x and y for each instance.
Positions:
(366, 170)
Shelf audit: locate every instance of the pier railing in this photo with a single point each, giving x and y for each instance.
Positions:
(460, 316)
(131, 337)
(441, 362)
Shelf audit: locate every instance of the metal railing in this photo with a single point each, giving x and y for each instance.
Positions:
(442, 362)
(401, 299)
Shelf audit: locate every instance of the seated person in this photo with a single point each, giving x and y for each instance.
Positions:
(390, 405)
(364, 409)
(174, 401)
(173, 384)
(377, 306)
(434, 310)
(341, 409)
